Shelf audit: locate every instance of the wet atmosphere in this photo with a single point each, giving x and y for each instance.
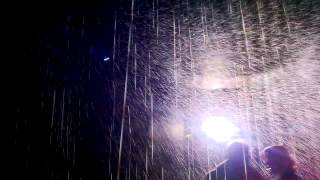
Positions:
(155, 89)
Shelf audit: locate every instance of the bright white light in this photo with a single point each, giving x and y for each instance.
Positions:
(106, 59)
(219, 129)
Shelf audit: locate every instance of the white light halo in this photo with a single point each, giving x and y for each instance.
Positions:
(219, 129)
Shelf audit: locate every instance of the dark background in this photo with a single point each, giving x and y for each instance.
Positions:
(39, 44)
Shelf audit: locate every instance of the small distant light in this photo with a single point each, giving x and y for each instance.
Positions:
(106, 59)
(188, 135)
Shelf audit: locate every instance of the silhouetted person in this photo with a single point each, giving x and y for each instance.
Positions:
(282, 166)
(237, 166)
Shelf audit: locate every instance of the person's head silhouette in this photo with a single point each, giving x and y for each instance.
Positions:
(237, 150)
(278, 159)
(237, 165)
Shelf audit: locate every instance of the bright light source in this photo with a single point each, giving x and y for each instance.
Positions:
(213, 83)
(106, 59)
(219, 129)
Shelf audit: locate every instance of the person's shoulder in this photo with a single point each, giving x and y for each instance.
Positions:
(211, 175)
(295, 177)
(216, 172)
(255, 172)
(256, 175)
(292, 176)
(298, 177)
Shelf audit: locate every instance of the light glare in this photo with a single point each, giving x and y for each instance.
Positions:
(219, 129)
